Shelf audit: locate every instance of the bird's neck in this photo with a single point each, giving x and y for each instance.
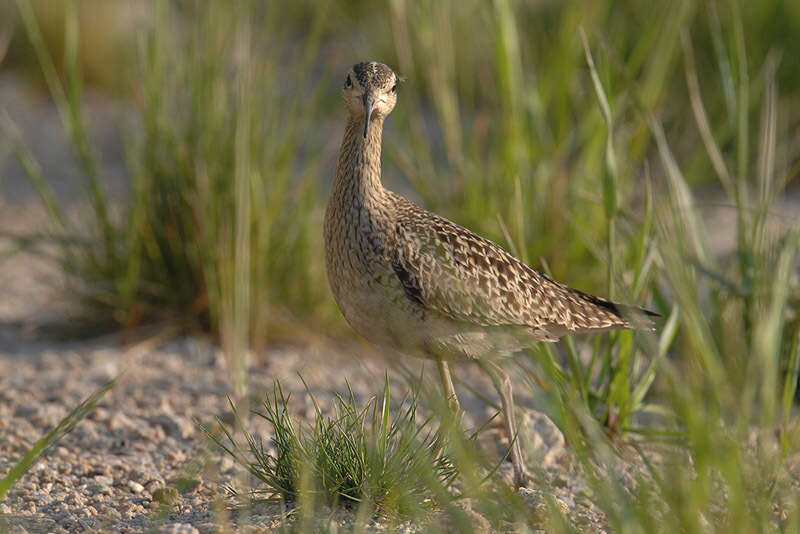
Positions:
(358, 171)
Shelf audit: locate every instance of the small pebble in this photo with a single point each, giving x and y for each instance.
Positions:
(178, 528)
(103, 480)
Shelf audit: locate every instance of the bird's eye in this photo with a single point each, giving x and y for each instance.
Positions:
(348, 83)
(394, 89)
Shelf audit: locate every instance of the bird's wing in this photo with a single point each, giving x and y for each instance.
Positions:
(448, 269)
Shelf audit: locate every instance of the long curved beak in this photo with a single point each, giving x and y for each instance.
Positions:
(369, 101)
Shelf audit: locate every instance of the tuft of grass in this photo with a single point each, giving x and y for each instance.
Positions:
(727, 355)
(377, 458)
(221, 223)
(497, 129)
(583, 154)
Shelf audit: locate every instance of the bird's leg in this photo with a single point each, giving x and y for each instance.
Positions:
(502, 383)
(449, 389)
(447, 386)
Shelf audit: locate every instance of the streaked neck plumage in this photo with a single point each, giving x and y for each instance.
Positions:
(358, 171)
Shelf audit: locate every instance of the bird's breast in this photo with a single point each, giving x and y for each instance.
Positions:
(355, 250)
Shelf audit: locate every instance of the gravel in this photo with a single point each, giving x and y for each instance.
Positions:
(126, 458)
(120, 469)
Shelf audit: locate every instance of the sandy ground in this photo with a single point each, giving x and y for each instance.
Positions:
(110, 473)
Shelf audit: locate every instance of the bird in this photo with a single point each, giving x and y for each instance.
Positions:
(417, 283)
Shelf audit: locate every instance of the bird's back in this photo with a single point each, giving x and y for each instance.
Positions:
(466, 277)
(407, 278)
(423, 284)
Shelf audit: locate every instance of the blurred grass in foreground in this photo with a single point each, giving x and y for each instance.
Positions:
(580, 153)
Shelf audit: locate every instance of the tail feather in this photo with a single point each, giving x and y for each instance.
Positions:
(622, 316)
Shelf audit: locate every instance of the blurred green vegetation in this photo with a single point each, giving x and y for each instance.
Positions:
(497, 128)
(572, 133)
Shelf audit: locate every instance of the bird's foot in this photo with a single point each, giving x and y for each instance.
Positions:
(522, 479)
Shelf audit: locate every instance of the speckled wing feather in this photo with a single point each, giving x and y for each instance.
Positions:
(447, 269)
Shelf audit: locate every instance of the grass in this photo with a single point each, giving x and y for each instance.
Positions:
(224, 170)
(68, 423)
(574, 134)
(213, 191)
(51, 439)
(377, 458)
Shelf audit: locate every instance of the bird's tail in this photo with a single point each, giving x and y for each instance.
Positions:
(601, 314)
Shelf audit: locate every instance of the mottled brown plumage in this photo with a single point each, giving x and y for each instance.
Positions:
(408, 279)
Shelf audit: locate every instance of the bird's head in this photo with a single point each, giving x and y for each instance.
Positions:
(370, 91)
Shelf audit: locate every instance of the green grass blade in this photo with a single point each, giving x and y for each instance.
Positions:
(385, 415)
(701, 118)
(64, 427)
(34, 173)
(68, 104)
(790, 388)
(644, 251)
(742, 101)
(665, 340)
(610, 176)
(683, 201)
(769, 333)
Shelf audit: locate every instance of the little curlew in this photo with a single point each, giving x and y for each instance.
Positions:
(410, 280)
